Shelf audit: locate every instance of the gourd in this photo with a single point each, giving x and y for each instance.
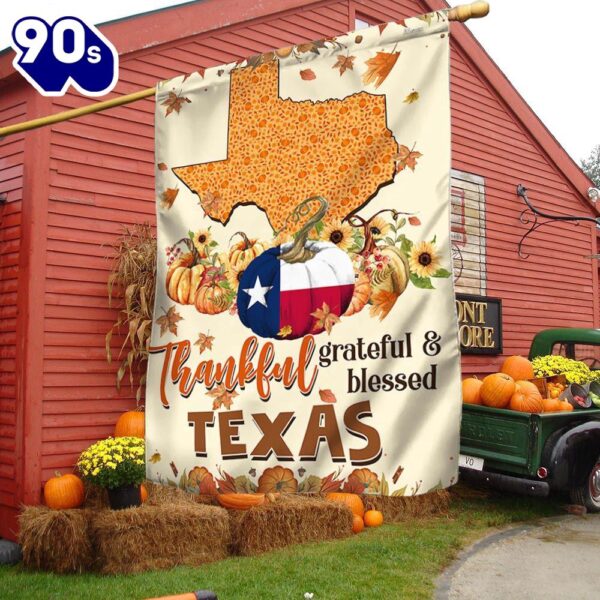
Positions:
(131, 424)
(497, 390)
(184, 275)
(360, 296)
(373, 518)
(518, 367)
(63, 491)
(143, 493)
(245, 251)
(552, 404)
(352, 501)
(357, 524)
(277, 479)
(526, 398)
(471, 390)
(240, 501)
(302, 261)
(212, 296)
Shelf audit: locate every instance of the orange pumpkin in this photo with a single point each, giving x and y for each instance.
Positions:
(244, 252)
(183, 279)
(240, 501)
(63, 491)
(565, 406)
(131, 423)
(551, 404)
(352, 501)
(471, 390)
(373, 518)
(212, 296)
(360, 296)
(497, 390)
(518, 367)
(357, 524)
(277, 479)
(526, 398)
(143, 493)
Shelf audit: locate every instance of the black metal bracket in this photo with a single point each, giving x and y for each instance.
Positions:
(529, 216)
(3, 198)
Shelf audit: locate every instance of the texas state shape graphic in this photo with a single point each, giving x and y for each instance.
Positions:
(280, 151)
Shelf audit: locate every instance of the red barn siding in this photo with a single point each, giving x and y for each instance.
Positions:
(13, 108)
(91, 176)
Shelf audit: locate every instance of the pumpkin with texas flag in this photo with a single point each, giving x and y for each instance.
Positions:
(297, 288)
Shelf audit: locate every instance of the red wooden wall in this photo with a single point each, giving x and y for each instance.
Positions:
(98, 175)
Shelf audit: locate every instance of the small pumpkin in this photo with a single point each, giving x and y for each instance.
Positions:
(497, 390)
(277, 479)
(240, 501)
(357, 524)
(131, 424)
(63, 491)
(352, 501)
(183, 278)
(143, 493)
(471, 390)
(360, 296)
(526, 398)
(518, 367)
(213, 296)
(373, 518)
(244, 252)
(565, 406)
(551, 404)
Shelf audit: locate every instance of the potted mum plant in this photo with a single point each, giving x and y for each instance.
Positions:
(118, 465)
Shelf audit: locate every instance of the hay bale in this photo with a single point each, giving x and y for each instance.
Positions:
(159, 536)
(95, 497)
(396, 509)
(56, 540)
(292, 519)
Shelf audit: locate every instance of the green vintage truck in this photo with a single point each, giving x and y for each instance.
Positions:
(538, 453)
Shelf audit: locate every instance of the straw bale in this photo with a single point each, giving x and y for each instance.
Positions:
(292, 519)
(56, 540)
(396, 509)
(159, 536)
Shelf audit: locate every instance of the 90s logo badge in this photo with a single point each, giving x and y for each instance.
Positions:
(68, 52)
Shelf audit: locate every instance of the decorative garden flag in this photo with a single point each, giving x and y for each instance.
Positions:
(305, 334)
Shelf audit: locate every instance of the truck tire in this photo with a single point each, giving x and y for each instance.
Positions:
(588, 494)
(10, 553)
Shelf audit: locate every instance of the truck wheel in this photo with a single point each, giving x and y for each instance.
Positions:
(10, 553)
(588, 494)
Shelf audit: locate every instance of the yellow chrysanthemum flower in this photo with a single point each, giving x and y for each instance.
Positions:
(338, 233)
(424, 259)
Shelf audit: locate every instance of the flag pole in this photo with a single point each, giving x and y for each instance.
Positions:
(460, 13)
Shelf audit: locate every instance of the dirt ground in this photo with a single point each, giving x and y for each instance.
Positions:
(557, 559)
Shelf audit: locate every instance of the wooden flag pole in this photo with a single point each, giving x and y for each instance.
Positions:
(461, 13)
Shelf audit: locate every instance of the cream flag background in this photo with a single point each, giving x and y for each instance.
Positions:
(401, 263)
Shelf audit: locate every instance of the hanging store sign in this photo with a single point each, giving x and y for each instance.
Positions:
(479, 324)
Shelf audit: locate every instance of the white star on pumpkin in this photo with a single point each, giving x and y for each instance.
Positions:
(258, 293)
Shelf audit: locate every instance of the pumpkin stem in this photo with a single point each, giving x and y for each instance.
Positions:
(247, 243)
(298, 252)
(57, 474)
(191, 248)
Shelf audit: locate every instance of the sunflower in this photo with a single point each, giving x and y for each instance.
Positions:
(234, 275)
(424, 259)
(379, 227)
(339, 234)
(201, 240)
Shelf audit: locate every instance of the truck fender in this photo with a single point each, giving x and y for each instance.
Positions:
(570, 454)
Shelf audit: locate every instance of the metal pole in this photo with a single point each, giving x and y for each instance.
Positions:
(461, 13)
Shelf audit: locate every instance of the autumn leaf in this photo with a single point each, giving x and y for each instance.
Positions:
(426, 17)
(379, 67)
(167, 197)
(307, 74)
(168, 321)
(331, 483)
(358, 39)
(406, 157)
(162, 166)
(325, 318)
(382, 302)
(310, 47)
(227, 484)
(174, 468)
(204, 342)
(398, 473)
(222, 397)
(343, 63)
(210, 202)
(285, 331)
(174, 103)
(414, 221)
(155, 458)
(412, 97)
(327, 396)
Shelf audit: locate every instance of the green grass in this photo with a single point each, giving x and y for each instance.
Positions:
(394, 561)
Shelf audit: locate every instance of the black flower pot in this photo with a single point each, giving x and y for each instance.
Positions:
(124, 496)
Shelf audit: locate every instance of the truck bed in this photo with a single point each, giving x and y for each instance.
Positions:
(512, 442)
